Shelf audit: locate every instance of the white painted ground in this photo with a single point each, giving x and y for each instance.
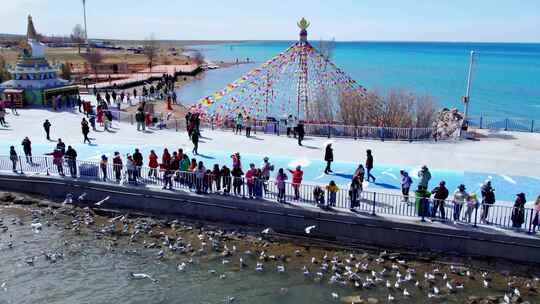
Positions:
(517, 155)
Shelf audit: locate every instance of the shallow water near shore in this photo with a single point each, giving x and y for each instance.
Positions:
(57, 264)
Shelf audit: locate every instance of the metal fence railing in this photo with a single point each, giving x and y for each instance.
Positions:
(506, 124)
(166, 121)
(367, 202)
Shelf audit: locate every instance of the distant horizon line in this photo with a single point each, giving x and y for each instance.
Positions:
(289, 40)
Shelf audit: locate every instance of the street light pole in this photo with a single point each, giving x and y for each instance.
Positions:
(85, 29)
(466, 98)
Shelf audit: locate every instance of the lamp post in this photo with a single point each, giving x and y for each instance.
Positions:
(466, 98)
(85, 29)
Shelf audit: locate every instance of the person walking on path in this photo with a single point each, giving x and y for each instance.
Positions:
(139, 119)
(332, 190)
(281, 179)
(424, 175)
(460, 198)
(103, 165)
(440, 194)
(3, 122)
(153, 164)
(406, 182)
(536, 217)
(300, 132)
(195, 140)
(488, 199)
(85, 130)
(518, 212)
(290, 125)
(13, 158)
(239, 123)
(328, 158)
(117, 166)
(47, 128)
(249, 125)
(71, 157)
(27, 148)
(369, 165)
(297, 176)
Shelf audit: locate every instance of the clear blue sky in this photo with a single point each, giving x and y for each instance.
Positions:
(417, 20)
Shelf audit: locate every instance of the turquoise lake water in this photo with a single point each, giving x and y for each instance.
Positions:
(506, 78)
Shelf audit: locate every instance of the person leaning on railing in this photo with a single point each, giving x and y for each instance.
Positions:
(117, 166)
(440, 194)
(488, 199)
(536, 217)
(281, 178)
(13, 157)
(518, 212)
(460, 198)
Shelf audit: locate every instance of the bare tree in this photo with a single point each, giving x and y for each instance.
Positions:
(94, 58)
(65, 71)
(4, 74)
(78, 36)
(151, 50)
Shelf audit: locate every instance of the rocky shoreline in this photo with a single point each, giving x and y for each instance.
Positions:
(400, 276)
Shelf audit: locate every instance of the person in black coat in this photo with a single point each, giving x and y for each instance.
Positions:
(195, 140)
(71, 157)
(27, 148)
(369, 165)
(328, 158)
(47, 128)
(300, 132)
(440, 194)
(518, 212)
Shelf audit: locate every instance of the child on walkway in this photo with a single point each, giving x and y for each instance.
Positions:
(332, 189)
(472, 203)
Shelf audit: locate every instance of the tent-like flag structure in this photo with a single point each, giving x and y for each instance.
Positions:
(299, 81)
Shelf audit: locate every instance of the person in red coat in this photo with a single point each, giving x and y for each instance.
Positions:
(297, 176)
(148, 119)
(99, 116)
(169, 104)
(165, 159)
(153, 164)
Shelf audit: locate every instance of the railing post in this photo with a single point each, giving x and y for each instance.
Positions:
(374, 201)
(176, 125)
(532, 126)
(481, 120)
(506, 124)
(355, 132)
(531, 220)
(475, 216)
(20, 164)
(47, 167)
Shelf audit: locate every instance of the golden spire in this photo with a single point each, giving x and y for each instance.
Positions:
(31, 31)
(303, 24)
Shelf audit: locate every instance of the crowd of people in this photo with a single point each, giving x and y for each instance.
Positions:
(253, 182)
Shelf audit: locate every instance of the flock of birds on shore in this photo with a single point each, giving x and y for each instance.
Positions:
(386, 271)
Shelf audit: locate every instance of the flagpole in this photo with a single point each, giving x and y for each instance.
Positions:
(85, 29)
